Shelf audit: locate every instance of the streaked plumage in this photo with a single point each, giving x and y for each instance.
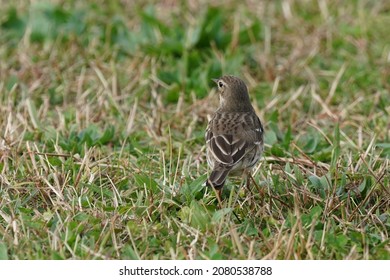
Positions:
(234, 135)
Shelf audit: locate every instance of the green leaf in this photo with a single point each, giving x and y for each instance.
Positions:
(270, 137)
(185, 214)
(342, 241)
(193, 36)
(385, 149)
(129, 253)
(144, 180)
(55, 161)
(13, 25)
(317, 182)
(198, 184)
(220, 214)
(199, 216)
(277, 150)
(212, 30)
(56, 256)
(336, 147)
(287, 139)
(108, 135)
(214, 253)
(273, 126)
(32, 111)
(3, 251)
(311, 145)
(298, 175)
(316, 211)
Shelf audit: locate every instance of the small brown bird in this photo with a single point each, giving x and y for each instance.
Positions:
(234, 135)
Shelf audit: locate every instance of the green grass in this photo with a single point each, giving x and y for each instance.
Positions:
(103, 112)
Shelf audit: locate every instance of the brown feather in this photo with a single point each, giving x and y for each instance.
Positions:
(234, 136)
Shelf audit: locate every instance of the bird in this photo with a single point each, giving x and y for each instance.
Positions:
(234, 134)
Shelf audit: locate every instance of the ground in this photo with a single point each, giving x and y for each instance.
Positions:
(104, 106)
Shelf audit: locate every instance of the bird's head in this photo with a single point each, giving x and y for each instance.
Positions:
(233, 93)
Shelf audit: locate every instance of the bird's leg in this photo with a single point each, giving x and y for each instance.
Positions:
(218, 194)
(248, 180)
(238, 219)
(254, 182)
(260, 190)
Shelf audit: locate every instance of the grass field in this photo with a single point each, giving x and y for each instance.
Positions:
(104, 105)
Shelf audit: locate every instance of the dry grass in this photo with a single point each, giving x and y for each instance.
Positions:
(103, 111)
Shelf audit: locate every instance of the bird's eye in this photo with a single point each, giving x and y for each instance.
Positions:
(220, 84)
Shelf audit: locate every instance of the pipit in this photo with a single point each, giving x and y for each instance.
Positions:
(234, 135)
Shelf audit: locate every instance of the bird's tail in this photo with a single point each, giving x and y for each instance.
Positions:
(217, 178)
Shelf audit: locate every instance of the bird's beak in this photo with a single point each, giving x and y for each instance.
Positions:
(215, 80)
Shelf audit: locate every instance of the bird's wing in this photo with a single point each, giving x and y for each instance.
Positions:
(229, 144)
